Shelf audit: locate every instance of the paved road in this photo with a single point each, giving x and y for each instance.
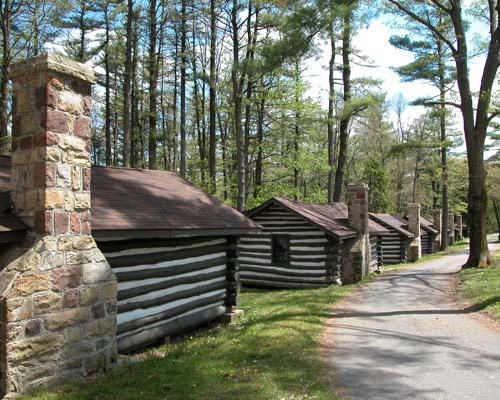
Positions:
(401, 337)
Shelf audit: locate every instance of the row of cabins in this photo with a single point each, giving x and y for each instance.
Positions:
(308, 245)
(100, 260)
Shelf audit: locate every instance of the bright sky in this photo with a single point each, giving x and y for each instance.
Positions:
(373, 42)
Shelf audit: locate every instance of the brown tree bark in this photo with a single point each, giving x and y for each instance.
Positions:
(107, 95)
(7, 10)
(345, 120)
(153, 83)
(296, 136)
(260, 139)
(237, 109)
(444, 149)
(127, 91)
(135, 98)
(475, 131)
(496, 208)
(248, 74)
(330, 125)
(183, 89)
(174, 106)
(212, 99)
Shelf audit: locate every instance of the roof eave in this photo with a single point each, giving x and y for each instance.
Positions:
(123, 234)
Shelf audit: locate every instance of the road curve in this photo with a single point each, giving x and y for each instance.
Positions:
(402, 337)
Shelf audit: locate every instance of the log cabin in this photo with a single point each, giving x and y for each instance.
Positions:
(171, 246)
(96, 259)
(428, 235)
(306, 244)
(395, 242)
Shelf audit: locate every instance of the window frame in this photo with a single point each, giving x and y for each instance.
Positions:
(275, 239)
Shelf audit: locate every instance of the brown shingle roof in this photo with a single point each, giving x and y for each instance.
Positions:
(394, 222)
(125, 199)
(428, 225)
(331, 218)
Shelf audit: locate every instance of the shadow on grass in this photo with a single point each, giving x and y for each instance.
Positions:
(271, 353)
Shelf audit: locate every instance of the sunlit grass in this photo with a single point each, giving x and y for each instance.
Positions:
(482, 287)
(272, 352)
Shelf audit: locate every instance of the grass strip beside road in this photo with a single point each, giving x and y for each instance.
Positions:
(481, 287)
(272, 352)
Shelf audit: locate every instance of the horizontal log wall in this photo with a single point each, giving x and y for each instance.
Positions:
(427, 241)
(166, 287)
(308, 257)
(394, 246)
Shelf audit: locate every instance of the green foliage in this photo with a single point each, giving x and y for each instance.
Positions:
(480, 286)
(375, 174)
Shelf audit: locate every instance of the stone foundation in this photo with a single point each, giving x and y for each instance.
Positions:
(59, 312)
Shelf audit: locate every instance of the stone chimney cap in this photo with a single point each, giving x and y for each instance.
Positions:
(414, 205)
(55, 63)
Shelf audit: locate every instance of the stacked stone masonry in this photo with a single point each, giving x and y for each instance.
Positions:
(415, 248)
(358, 264)
(58, 293)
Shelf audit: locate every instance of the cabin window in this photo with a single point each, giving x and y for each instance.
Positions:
(281, 250)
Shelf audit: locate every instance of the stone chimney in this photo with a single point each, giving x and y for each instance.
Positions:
(357, 203)
(437, 220)
(459, 227)
(415, 248)
(60, 303)
(451, 227)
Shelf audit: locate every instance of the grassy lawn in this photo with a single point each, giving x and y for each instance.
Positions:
(482, 287)
(270, 353)
(454, 248)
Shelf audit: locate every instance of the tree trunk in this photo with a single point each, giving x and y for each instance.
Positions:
(135, 137)
(115, 115)
(444, 149)
(198, 101)
(250, 56)
(296, 136)
(212, 107)
(477, 202)
(346, 117)
(81, 47)
(183, 88)
(5, 23)
(153, 83)
(127, 86)
(496, 208)
(223, 138)
(237, 107)
(330, 124)
(174, 111)
(107, 67)
(260, 138)
(475, 134)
